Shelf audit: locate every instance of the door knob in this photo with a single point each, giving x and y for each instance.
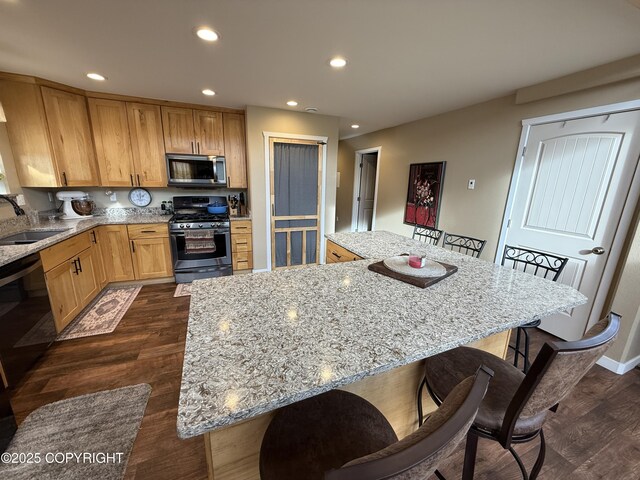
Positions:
(597, 250)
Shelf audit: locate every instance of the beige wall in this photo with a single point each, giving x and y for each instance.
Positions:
(477, 142)
(261, 120)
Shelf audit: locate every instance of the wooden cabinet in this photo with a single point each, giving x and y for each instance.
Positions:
(68, 122)
(101, 271)
(193, 131)
(336, 254)
(72, 273)
(28, 134)
(145, 128)
(234, 149)
(241, 246)
(129, 147)
(150, 251)
(116, 252)
(113, 146)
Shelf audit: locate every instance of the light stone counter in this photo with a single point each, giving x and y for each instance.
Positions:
(283, 336)
(68, 228)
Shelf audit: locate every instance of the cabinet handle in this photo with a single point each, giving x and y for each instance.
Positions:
(79, 265)
(64, 179)
(75, 264)
(148, 231)
(93, 233)
(198, 145)
(138, 176)
(228, 181)
(336, 255)
(133, 247)
(131, 175)
(239, 228)
(192, 149)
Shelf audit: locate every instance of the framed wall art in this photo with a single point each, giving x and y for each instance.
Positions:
(424, 194)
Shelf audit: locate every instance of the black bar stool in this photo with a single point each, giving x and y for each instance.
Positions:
(426, 234)
(460, 243)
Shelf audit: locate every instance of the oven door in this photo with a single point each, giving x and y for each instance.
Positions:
(185, 260)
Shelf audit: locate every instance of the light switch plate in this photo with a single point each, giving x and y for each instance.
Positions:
(113, 197)
(472, 184)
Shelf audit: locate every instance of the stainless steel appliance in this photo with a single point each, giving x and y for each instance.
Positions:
(8, 424)
(27, 327)
(200, 171)
(200, 241)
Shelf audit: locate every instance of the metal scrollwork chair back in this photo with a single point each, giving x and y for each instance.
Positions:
(467, 245)
(426, 234)
(531, 261)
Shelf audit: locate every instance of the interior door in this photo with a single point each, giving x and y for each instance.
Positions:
(573, 182)
(367, 191)
(296, 172)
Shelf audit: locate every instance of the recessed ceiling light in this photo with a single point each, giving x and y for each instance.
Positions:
(96, 76)
(207, 34)
(355, 125)
(337, 62)
(292, 103)
(208, 92)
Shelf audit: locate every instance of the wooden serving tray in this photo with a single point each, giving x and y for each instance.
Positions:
(422, 282)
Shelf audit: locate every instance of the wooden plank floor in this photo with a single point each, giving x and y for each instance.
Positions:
(594, 435)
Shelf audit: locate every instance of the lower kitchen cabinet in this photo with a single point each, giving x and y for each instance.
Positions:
(241, 246)
(87, 282)
(337, 254)
(151, 258)
(116, 252)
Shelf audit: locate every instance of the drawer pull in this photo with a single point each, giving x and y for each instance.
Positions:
(336, 255)
(148, 231)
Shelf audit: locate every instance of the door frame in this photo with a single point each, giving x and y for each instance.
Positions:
(630, 203)
(356, 184)
(322, 143)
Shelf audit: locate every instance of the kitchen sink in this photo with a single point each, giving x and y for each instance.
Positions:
(27, 237)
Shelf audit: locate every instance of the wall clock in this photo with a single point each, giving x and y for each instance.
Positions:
(140, 197)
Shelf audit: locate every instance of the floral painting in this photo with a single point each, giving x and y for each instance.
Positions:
(424, 194)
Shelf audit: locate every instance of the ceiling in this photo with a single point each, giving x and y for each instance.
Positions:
(408, 59)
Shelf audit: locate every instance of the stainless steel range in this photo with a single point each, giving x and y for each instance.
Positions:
(200, 241)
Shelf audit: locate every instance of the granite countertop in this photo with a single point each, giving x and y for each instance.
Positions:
(287, 335)
(68, 228)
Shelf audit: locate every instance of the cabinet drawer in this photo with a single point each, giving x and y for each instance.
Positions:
(148, 230)
(56, 254)
(336, 253)
(240, 226)
(242, 260)
(241, 242)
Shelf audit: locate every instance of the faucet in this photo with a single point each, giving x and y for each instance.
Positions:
(16, 208)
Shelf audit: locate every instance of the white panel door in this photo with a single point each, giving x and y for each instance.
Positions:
(367, 192)
(574, 179)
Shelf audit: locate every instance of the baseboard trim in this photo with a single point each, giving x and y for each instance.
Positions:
(617, 367)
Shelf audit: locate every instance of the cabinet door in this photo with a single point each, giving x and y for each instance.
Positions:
(209, 132)
(70, 133)
(152, 258)
(28, 135)
(111, 135)
(98, 252)
(65, 303)
(145, 126)
(117, 253)
(87, 284)
(177, 125)
(234, 149)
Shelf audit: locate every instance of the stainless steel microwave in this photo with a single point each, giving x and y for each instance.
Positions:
(199, 171)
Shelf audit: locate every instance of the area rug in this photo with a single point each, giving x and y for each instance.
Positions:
(183, 290)
(103, 314)
(80, 438)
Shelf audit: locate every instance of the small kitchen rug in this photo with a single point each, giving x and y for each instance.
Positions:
(103, 314)
(84, 437)
(183, 290)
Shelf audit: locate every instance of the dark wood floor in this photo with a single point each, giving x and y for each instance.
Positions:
(594, 435)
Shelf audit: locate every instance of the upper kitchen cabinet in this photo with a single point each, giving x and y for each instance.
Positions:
(192, 131)
(129, 147)
(28, 134)
(113, 147)
(68, 123)
(145, 127)
(234, 148)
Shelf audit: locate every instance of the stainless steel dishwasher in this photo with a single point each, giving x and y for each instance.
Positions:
(27, 327)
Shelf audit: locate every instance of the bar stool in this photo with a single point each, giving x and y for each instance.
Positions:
(516, 405)
(540, 264)
(430, 235)
(340, 436)
(471, 246)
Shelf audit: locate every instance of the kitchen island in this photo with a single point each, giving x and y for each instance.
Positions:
(287, 335)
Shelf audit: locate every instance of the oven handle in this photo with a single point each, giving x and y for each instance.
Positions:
(22, 273)
(215, 232)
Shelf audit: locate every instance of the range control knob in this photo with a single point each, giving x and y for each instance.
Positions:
(188, 226)
(200, 225)
(181, 225)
